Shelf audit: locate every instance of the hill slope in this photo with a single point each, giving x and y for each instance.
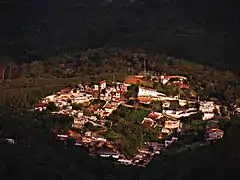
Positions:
(205, 31)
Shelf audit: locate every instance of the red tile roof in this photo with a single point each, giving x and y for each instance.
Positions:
(152, 115)
(144, 99)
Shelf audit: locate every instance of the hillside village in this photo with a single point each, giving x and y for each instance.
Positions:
(165, 123)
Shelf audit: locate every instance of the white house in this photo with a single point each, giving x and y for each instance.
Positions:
(79, 121)
(178, 114)
(125, 161)
(172, 124)
(50, 98)
(214, 134)
(208, 115)
(40, 107)
(96, 87)
(166, 131)
(208, 106)
(167, 142)
(182, 102)
(166, 104)
(10, 140)
(149, 92)
(103, 84)
(163, 79)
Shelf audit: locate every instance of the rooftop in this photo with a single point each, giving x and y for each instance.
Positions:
(153, 115)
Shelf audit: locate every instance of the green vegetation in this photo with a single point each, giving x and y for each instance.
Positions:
(132, 91)
(38, 153)
(52, 107)
(77, 106)
(156, 106)
(112, 135)
(31, 81)
(174, 104)
(128, 129)
(90, 127)
(168, 90)
(130, 114)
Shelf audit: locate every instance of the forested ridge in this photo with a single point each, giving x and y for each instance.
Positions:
(202, 31)
(39, 78)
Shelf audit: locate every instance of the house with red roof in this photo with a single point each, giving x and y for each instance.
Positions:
(214, 134)
(40, 106)
(155, 115)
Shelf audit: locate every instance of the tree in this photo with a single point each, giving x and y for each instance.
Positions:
(228, 95)
(77, 106)
(108, 124)
(87, 112)
(174, 104)
(6, 66)
(209, 90)
(132, 91)
(52, 106)
(156, 85)
(223, 110)
(156, 106)
(36, 69)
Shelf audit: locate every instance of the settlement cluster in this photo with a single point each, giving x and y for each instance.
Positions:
(104, 98)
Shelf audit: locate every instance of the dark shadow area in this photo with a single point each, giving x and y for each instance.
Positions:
(202, 31)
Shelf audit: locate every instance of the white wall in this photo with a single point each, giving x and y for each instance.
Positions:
(171, 124)
(149, 92)
(207, 116)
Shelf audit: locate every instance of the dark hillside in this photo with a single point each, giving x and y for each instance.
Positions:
(219, 161)
(38, 155)
(204, 31)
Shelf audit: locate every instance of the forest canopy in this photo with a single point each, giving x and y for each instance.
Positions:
(37, 78)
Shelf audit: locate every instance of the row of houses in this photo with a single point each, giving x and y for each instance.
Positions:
(64, 98)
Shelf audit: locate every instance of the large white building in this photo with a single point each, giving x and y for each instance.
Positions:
(149, 92)
(179, 114)
(208, 115)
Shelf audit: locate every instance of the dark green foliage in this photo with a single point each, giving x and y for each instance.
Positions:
(156, 106)
(84, 66)
(90, 127)
(197, 116)
(77, 106)
(108, 124)
(127, 124)
(224, 110)
(52, 107)
(132, 91)
(132, 102)
(174, 104)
